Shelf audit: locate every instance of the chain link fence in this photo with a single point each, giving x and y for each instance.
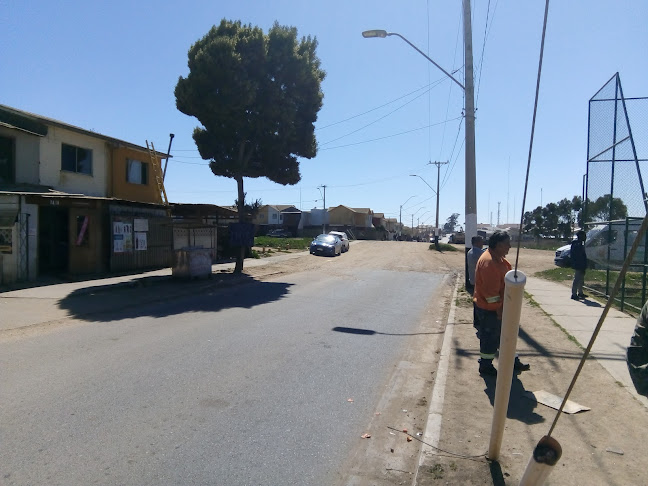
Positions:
(615, 191)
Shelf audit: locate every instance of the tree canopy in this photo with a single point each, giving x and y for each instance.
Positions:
(256, 97)
(451, 223)
(559, 219)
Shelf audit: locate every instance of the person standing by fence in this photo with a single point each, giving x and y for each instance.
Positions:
(579, 264)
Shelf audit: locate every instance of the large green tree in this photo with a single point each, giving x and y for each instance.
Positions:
(606, 209)
(451, 223)
(256, 97)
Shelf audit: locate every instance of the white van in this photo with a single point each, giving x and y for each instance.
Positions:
(598, 242)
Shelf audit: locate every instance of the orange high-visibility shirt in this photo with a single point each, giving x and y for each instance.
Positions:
(489, 281)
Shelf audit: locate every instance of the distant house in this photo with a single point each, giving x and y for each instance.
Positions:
(378, 220)
(391, 225)
(272, 215)
(355, 218)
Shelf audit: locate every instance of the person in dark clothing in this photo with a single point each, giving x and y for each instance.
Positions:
(637, 354)
(579, 264)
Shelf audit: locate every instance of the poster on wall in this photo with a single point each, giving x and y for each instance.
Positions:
(122, 237)
(140, 241)
(140, 225)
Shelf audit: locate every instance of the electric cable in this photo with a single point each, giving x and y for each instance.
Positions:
(388, 136)
(384, 116)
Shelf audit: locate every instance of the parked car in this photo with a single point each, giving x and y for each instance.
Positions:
(279, 233)
(343, 237)
(563, 256)
(458, 238)
(326, 245)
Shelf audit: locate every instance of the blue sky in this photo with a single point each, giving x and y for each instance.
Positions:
(112, 67)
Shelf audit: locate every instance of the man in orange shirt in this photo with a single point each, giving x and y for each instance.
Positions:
(489, 301)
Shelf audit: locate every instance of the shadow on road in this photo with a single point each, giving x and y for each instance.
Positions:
(370, 332)
(163, 298)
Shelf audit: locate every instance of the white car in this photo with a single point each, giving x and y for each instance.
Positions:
(343, 237)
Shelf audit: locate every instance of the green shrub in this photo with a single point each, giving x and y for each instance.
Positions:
(282, 243)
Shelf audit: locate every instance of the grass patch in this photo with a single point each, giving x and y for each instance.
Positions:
(282, 243)
(558, 274)
(443, 247)
(532, 302)
(437, 471)
(464, 299)
(597, 281)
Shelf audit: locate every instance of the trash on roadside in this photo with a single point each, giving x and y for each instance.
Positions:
(554, 401)
(614, 451)
(366, 436)
(350, 400)
(409, 439)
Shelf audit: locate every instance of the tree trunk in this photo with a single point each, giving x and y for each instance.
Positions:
(241, 214)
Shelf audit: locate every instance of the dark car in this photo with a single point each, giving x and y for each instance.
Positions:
(279, 233)
(326, 245)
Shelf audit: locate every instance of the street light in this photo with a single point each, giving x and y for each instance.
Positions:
(436, 232)
(469, 113)
(400, 216)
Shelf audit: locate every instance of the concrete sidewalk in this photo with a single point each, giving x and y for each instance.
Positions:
(579, 319)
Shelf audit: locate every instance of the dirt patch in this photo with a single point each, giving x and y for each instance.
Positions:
(603, 446)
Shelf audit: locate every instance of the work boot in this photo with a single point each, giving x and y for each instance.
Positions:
(582, 296)
(520, 366)
(486, 368)
(574, 297)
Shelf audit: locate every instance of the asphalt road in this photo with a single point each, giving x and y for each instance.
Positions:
(248, 385)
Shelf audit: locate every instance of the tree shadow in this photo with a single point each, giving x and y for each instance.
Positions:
(370, 332)
(519, 408)
(162, 297)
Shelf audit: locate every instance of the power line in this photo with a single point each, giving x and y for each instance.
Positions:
(384, 116)
(449, 93)
(373, 109)
(486, 32)
(390, 136)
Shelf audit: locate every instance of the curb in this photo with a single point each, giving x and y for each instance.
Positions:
(432, 433)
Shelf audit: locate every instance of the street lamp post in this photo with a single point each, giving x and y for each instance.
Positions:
(438, 164)
(414, 214)
(400, 216)
(469, 113)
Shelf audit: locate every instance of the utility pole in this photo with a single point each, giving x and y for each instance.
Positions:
(436, 231)
(498, 212)
(471, 177)
(324, 213)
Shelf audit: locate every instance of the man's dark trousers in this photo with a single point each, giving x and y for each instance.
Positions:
(490, 328)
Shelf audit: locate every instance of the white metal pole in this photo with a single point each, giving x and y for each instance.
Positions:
(513, 295)
(545, 456)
